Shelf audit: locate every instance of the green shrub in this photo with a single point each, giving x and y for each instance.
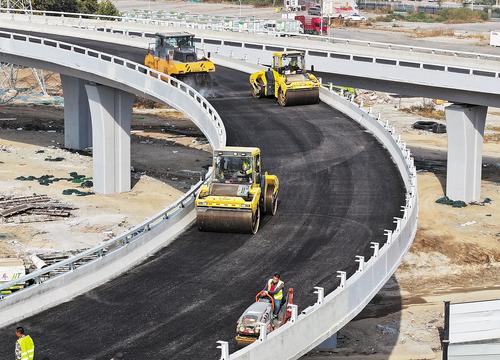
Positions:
(456, 16)
(56, 5)
(106, 7)
(88, 6)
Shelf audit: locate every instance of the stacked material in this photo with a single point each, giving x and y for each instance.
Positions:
(35, 208)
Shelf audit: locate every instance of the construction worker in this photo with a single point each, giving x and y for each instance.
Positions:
(274, 287)
(245, 171)
(293, 65)
(25, 347)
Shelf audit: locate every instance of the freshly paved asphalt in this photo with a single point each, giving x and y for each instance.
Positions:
(339, 191)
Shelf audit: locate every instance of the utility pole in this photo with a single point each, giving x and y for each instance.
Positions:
(321, 20)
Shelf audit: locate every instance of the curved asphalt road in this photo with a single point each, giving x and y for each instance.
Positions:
(339, 191)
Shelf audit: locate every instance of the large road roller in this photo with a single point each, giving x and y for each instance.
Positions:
(286, 80)
(237, 193)
(175, 54)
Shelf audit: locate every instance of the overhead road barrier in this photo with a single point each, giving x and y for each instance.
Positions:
(73, 276)
(79, 19)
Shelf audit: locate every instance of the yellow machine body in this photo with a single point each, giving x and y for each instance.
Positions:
(175, 54)
(237, 193)
(286, 80)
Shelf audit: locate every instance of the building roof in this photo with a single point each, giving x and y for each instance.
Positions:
(238, 149)
(475, 322)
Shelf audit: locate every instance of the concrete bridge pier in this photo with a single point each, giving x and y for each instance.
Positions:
(77, 124)
(111, 114)
(465, 127)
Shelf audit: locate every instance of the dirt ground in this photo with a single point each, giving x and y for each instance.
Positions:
(455, 256)
(168, 154)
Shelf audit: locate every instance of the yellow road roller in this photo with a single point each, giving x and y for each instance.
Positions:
(286, 80)
(237, 193)
(175, 54)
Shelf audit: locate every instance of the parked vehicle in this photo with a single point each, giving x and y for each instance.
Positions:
(315, 11)
(312, 25)
(355, 17)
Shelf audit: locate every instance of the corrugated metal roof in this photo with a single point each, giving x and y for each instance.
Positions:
(474, 321)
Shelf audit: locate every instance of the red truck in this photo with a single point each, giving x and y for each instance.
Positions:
(312, 24)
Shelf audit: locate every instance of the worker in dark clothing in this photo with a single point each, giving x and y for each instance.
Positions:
(274, 287)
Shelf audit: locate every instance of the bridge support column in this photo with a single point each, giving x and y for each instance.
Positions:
(465, 127)
(77, 124)
(111, 113)
(328, 344)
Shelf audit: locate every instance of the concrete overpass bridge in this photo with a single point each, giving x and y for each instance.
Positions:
(349, 196)
(471, 81)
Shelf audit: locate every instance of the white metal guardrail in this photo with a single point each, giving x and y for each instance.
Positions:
(330, 313)
(58, 280)
(62, 17)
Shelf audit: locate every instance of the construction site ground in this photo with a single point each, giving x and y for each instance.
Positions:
(168, 154)
(455, 256)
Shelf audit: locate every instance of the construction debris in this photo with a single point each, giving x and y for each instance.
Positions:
(454, 203)
(46, 180)
(50, 158)
(34, 208)
(76, 192)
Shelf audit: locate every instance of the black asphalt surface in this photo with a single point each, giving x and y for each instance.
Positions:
(339, 190)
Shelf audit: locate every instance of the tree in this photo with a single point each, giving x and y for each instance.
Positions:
(56, 5)
(106, 7)
(87, 6)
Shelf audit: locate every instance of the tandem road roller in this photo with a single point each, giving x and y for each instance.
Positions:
(286, 80)
(175, 54)
(237, 193)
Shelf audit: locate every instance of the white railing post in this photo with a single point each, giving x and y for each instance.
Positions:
(321, 294)
(343, 277)
(388, 234)
(295, 312)
(224, 349)
(361, 261)
(375, 246)
(263, 331)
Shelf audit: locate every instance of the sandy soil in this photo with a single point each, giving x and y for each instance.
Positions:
(391, 109)
(168, 153)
